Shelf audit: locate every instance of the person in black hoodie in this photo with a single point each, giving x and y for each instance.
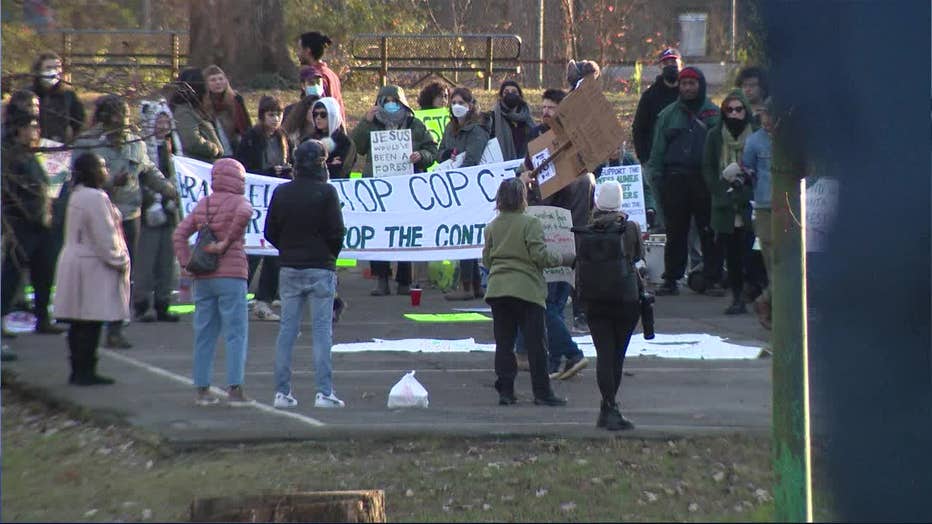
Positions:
(305, 223)
(61, 113)
(663, 92)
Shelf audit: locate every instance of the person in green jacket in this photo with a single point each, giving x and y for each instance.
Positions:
(731, 192)
(467, 133)
(675, 172)
(516, 255)
(197, 135)
(391, 111)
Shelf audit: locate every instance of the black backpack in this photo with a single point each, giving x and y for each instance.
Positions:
(603, 272)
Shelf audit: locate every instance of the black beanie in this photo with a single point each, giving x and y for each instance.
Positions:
(507, 83)
(310, 160)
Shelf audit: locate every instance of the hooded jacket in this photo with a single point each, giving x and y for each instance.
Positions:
(343, 148)
(160, 152)
(229, 215)
(198, 137)
(61, 113)
(680, 133)
(126, 155)
(726, 204)
(421, 139)
(658, 96)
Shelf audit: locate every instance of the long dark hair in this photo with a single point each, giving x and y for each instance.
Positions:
(297, 118)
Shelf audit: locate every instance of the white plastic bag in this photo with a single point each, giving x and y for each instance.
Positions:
(407, 393)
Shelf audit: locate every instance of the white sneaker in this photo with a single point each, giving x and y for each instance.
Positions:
(262, 311)
(328, 401)
(284, 401)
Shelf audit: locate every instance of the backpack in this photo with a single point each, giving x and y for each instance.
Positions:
(603, 270)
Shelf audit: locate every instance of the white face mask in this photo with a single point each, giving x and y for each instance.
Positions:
(459, 110)
(49, 77)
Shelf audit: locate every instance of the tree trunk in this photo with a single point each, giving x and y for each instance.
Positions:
(324, 506)
(243, 37)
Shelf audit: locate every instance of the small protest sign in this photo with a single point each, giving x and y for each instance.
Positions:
(435, 120)
(632, 191)
(557, 223)
(391, 153)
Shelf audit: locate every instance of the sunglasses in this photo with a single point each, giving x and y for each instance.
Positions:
(319, 114)
(734, 109)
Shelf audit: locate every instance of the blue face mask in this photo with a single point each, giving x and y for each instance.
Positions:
(314, 90)
(392, 107)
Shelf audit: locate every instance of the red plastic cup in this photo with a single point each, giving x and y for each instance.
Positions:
(415, 297)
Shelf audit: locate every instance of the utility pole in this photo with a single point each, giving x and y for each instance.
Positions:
(734, 29)
(791, 444)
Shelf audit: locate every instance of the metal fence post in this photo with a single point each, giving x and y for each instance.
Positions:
(488, 65)
(66, 56)
(176, 59)
(383, 73)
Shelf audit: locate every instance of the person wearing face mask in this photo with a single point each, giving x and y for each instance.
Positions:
(663, 92)
(312, 89)
(675, 171)
(511, 119)
(266, 150)
(225, 108)
(131, 171)
(155, 270)
(61, 113)
(467, 132)
(391, 111)
(731, 191)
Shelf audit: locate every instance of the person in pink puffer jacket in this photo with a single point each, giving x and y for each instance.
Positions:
(220, 297)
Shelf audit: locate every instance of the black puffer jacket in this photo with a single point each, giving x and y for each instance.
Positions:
(305, 223)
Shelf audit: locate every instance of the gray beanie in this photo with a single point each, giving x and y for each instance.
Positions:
(310, 159)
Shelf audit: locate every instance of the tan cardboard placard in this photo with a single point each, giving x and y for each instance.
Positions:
(585, 120)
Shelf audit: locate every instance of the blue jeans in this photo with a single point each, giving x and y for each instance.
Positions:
(220, 305)
(559, 339)
(296, 287)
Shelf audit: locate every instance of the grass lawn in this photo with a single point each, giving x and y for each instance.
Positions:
(57, 467)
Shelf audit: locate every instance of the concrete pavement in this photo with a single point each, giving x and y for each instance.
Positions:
(154, 393)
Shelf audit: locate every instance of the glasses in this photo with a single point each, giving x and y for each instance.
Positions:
(735, 109)
(319, 114)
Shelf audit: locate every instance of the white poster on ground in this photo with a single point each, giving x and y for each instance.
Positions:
(391, 153)
(632, 191)
(423, 217)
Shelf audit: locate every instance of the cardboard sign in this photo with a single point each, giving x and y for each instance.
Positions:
(557, 222)
(632, 191)
(584, 133)
(391, 153)
(564, 168)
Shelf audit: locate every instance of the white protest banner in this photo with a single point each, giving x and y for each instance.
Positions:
(391, 152)
(557, 223)
(819, 215)
(57, 165)
(632, 191)
(422, 217)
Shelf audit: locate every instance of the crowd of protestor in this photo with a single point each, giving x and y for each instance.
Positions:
(109, 240)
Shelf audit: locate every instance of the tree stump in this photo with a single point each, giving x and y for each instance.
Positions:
(321, 506)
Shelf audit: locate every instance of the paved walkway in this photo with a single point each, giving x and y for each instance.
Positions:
(154, 392)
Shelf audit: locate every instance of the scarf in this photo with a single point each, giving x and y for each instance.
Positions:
(229, 116)
(732, 151)
(503, 119)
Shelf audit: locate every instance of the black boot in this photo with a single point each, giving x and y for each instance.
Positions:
(613, 419)
(550, 400)
(506, 393)
(162, 314)
(142, 313)
(115, 338)
(89, 376)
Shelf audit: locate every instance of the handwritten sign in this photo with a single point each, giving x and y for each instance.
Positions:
(435, 120)
(546, 173)
(821, 209)
(57, 165)
(391, 153)
(557, 222)
(632, 191)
